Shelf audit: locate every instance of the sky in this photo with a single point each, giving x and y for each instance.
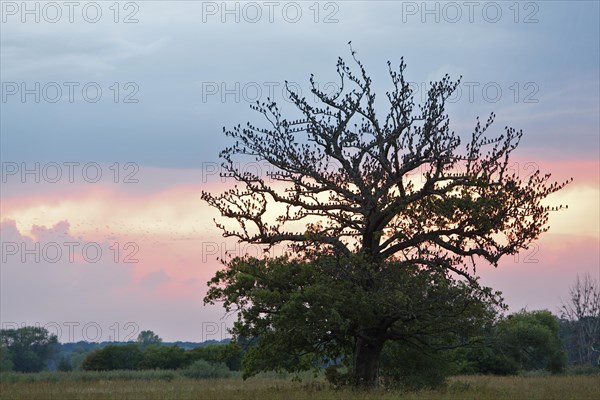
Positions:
(112, 117)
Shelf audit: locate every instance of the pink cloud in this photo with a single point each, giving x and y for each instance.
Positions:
(168, 233)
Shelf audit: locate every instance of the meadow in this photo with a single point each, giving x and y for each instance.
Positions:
(155, 385)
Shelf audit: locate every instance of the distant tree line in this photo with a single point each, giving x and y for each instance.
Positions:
(526, 340)
(34, 349)
(134, 357)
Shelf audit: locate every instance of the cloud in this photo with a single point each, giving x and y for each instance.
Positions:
(109, 287)
(50, 271)
(168, 233)
(173, 135)
(70, 49)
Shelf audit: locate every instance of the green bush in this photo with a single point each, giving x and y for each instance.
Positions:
(229, 354)
(337, 375)
(113, 357)
(523, 341)
(202, 369)
(532, 339)
(485, 358)
(163, 357)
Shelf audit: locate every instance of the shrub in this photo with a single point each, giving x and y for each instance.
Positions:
(337, 375)
(163, 357)
(229, 354)
(113, 357)
(524, 341)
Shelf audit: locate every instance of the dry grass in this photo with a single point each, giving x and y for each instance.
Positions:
(463, 388)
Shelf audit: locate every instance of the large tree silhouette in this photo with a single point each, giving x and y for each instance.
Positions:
(377, 195)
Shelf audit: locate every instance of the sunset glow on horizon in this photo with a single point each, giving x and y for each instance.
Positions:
(177, 246)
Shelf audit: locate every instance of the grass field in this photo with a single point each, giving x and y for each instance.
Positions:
(178, 388)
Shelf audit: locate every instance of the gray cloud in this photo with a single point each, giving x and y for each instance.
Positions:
(175, 49)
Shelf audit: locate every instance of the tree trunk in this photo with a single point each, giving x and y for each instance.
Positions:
(366, 363)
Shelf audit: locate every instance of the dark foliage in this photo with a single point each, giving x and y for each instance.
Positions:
(29, 349)
(113, 357)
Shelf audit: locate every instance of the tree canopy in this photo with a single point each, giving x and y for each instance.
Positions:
(147, 338)
(366, 204)
(113, 357)
(307, 314)
(525, 340)
(27, 349)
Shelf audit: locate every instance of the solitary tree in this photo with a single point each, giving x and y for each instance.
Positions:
(147, 338)
(368, 207)
(582, 319)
